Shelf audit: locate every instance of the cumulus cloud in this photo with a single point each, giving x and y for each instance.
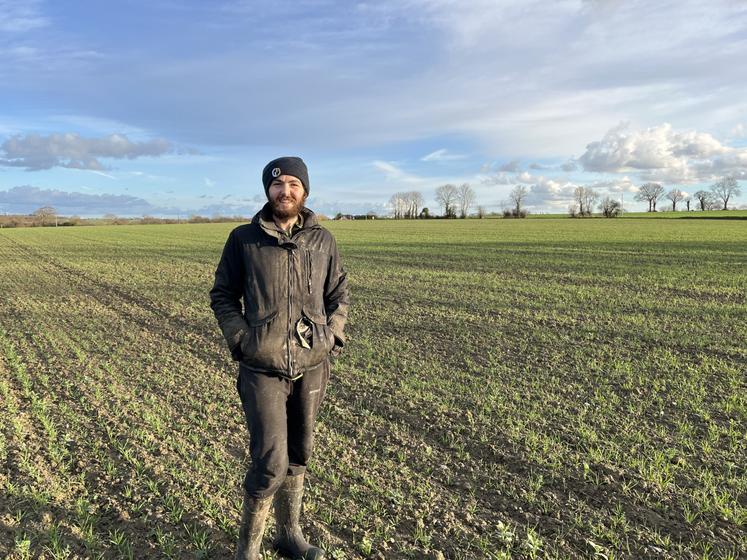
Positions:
(35, 152)
(663, 154)
(525, 177)
(556, 194)
(501, 178)
(616, 186)
(510, 166)
(569, 166)
(547, 192)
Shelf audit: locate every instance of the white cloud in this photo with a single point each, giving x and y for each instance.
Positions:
(394, 173)
(546, 192)
(107, 175)
(557, 193)
(19, 17)
(663, 154)
(35, 152)
(501, 178)
(442, 155)
(622, 185)
(544, 196)
(525, 177)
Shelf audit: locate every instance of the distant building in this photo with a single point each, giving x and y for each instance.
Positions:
(369, 216)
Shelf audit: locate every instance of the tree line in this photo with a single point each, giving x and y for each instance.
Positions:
(457, 201)
(47, 216)
(454, 201)
(717, 197)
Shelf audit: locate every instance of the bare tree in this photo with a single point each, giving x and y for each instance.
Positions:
(397, 203)
(688, 200)
(481, 212)
(406, 204)
(46, 213)
(704, 199)
(590, 197)
(725, 189)
(675, 195)
(610, 207)
(465, 199)
(584, 198)
(651, 193)
(446, 196)
(414, 202)
(517, 196)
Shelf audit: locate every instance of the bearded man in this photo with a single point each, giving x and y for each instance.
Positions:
(286, 270)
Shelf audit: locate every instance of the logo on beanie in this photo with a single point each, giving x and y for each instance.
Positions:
(276, 172)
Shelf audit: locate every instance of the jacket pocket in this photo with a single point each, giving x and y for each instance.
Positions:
(258, 322)
(320, 322)
(262, 345)
(322, 341)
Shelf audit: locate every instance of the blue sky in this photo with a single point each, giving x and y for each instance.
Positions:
(173, 108)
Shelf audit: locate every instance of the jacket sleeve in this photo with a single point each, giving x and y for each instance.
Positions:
(336, 298)
(225, 296)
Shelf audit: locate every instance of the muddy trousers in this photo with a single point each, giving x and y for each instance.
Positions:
(280, 415)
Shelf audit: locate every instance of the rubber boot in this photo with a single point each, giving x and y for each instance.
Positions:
(290, 541)
(253, 517)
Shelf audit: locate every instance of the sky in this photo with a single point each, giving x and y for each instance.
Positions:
(173, 108)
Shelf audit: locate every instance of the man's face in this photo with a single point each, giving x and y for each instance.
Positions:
(287, 196)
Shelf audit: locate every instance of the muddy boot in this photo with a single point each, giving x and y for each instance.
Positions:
(290, 541)
(253, 517)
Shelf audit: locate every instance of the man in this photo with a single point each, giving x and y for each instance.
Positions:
(287, 270)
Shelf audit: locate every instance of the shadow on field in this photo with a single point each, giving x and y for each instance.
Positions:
(100, 522)
(43, 530)
(98, 501)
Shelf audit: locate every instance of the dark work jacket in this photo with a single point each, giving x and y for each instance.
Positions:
(280, 279)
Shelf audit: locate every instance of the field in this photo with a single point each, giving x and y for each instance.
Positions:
(510, 389)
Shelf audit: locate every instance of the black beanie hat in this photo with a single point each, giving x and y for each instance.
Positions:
(287, 165)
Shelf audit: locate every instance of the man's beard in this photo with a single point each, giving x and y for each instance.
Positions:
(286, 212)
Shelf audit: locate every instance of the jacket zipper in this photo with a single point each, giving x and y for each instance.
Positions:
(290, 334)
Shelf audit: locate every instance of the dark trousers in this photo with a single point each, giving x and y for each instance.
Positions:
(280, 414)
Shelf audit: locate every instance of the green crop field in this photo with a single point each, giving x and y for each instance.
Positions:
(510, 389)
